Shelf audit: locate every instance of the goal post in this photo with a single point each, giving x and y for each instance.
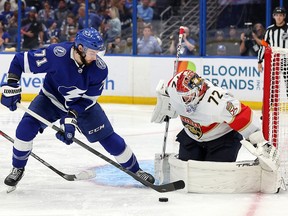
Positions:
(275, 106)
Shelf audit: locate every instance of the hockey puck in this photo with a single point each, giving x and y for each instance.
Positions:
(163, 199)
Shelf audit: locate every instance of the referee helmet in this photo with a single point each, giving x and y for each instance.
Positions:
(279, 10)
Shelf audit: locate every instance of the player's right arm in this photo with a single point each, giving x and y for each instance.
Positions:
(34, 61)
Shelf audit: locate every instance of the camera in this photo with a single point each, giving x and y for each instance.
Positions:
(249, 30)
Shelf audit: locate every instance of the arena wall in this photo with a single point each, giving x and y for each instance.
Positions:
(133, 79)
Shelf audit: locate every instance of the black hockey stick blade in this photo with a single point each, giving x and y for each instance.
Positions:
(84, 175)
(160, 188)
(172, 186)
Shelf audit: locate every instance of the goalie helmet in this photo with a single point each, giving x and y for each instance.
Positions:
(191, 88)
(89, 38)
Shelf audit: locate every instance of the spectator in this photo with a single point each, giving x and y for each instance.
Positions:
(69, 27)
(232, 43)
(251, 40)
(187, 46)
(144, 11)
(128, 49)
(213, 45)
(32, 31)
(112, 28)
(125, 15)
(221, 50)
(76, 6)
(34, 3)
(14, 4)
(114, 46)
(94, 20)
(72, 38)
(46, 14)
(61, 12)
(233, 36)
(24, 10)
(13, 27)
(51, 31)
(54, 40)
(148, 44)
(7, 13)
(4, 37)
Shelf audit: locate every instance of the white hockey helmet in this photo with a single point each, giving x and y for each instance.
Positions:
(191, 88)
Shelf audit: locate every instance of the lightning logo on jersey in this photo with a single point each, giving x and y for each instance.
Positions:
(70, 93)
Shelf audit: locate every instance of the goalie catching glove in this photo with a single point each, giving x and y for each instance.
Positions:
(267, 154)
(163, 107)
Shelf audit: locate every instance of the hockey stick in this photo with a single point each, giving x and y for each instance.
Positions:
(167, 119)
(160, 188)
(84, 175)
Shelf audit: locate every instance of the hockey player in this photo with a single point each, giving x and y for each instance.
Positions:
(74, 80)
(214, 121)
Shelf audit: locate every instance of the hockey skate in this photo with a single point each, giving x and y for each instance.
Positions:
(13, 178)
(145, 176)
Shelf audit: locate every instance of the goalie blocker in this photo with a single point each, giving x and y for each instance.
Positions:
(220, 177)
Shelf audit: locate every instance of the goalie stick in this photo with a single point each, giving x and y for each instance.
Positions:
(167, 119)
(159, 188)
(84, 175)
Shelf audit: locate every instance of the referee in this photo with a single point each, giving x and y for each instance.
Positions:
(276, 35)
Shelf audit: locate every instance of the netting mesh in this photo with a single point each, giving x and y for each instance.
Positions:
(278, 116)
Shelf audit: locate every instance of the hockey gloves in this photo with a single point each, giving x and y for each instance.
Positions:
(11, 94)
(68, 126)
(163, 107)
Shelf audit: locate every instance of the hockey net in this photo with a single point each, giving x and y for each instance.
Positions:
(275, 103)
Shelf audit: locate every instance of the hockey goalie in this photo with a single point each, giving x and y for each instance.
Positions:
(215, 126)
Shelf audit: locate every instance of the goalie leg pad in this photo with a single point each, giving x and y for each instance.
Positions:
(223, 177)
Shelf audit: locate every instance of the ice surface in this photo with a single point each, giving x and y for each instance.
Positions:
(41, 192)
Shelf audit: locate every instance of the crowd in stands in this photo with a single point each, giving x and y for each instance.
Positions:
(52, 21)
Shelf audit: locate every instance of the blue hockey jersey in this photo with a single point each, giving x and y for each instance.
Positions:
(66, 84)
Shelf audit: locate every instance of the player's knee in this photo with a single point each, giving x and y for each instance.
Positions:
(27, 128)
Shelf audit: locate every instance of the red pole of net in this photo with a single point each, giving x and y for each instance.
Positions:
(266, 92)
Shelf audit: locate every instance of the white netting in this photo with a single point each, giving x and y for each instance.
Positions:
(278, 119)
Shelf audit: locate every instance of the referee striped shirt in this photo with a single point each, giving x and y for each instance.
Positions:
(276, 37)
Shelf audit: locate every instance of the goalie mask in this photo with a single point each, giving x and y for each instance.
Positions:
(191, 88)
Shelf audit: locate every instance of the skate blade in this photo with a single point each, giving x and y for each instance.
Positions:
(10, 189)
